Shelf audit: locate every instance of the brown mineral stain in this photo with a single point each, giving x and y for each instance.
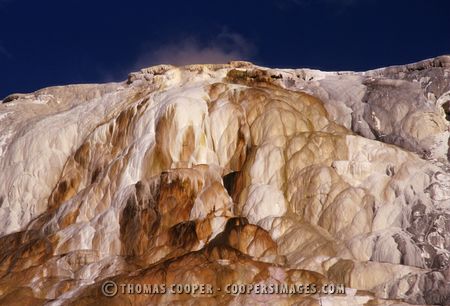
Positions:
(188, 144)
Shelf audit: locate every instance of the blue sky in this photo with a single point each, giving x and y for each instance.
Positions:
(54, 42)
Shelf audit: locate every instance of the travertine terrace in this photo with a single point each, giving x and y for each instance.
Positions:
(229, 173)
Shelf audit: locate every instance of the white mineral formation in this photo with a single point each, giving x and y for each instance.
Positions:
(234, 173)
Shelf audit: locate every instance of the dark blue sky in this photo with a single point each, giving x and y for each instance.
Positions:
(55, 42)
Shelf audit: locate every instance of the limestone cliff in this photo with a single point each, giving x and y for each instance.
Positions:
(229, 173)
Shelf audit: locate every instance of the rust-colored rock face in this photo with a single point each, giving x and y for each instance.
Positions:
(229, 177)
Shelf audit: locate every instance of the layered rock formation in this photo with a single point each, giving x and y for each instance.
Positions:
(221, 174)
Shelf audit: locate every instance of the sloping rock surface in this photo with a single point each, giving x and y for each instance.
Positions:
(225, 174)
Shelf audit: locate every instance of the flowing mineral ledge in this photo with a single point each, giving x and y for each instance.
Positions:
(229, 173)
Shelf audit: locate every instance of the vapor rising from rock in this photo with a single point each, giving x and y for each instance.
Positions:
(225, 47)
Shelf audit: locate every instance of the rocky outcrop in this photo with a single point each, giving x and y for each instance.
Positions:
(221, 174)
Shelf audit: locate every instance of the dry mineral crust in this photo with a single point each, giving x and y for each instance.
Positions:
(228, 174)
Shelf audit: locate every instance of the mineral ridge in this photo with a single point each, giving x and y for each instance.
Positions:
(232, 173)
